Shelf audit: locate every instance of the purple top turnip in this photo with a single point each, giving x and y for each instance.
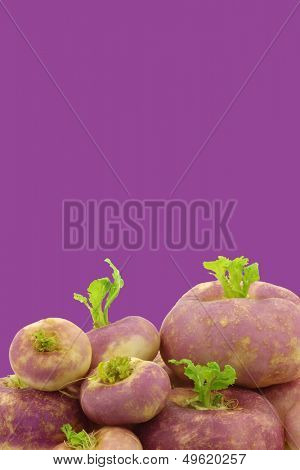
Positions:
(254, 326)
(124, 391)
(50, 354)
(31, 419)
(132, 336)
(106, 438)
(209, 417)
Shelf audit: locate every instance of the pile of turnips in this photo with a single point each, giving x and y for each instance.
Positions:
(223, 373)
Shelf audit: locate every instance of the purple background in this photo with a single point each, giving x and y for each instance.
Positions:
(149, 80)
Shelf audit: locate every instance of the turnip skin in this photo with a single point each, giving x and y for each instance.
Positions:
(283, 396)
(132, 336)
(50, 371)
(265, 290)
(255, 426)
(116, 438)
(292, 427)
(260, 335)
(112, 438)
(31, 419)
(286, 398)
(136, 399)
(175, 381)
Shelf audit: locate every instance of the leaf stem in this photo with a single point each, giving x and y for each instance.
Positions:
(207, 380)
(235, 275)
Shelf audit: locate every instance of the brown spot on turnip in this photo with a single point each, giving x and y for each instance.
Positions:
(243, 349)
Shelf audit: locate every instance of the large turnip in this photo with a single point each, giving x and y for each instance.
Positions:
(252, 325)
(106, 438)
(31, 419)
(51, 353)
(132, 336)
(209, 417)
(124, 391)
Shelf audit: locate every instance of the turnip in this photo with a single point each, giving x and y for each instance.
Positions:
(31, 419)
(211, 417)
(132, 336)
(124, 391)
(51, 353)
(292, 427)
(238, 320)
(106, 438)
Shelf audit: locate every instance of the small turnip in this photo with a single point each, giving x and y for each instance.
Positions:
(124, 391)
(106, 438)
(51, 353)
(132, 336)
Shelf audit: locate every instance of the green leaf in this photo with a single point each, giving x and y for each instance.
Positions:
(235, 275)
(223, 379)
(101, 290)
(115, 287)
(78, 440)
(97, 291)
(207, 379)
(251, 274)
(81, 299)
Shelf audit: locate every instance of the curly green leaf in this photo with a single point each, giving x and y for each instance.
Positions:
(235, 275)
